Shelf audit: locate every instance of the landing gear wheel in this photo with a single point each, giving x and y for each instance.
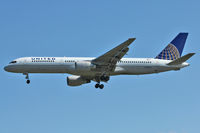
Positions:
(97, 86)
(28, 81)
(101, 86)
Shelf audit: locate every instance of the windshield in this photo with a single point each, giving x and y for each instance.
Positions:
(13, 62)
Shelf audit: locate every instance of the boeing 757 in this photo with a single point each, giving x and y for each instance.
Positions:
(86, 69)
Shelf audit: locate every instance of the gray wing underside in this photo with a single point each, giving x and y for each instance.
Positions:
(107, 62)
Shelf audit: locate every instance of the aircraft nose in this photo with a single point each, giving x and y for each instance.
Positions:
(6, 68)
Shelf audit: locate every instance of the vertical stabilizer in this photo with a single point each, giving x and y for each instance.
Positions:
(174, 49)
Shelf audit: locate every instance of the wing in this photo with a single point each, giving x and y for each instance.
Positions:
(107, 61)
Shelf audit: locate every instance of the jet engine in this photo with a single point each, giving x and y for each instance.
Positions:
(76, 80)
(84, 66)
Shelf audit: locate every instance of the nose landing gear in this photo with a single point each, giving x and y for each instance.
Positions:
(27, 77)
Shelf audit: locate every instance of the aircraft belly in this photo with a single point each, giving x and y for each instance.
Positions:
(137, 70)
(41, 69)
(140, 70)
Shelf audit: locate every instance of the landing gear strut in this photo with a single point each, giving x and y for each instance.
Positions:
(99, 86)
(27, 77)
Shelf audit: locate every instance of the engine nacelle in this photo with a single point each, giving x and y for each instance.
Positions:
(84, 66)
(76, 80)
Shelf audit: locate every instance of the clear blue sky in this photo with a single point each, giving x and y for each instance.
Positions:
(159, 103)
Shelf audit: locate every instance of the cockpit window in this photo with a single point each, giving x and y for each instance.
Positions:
(13, 62)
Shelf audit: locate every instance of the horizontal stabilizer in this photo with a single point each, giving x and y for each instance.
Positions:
(181, 59)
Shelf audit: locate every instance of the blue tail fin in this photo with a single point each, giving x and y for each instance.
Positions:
(174, 49)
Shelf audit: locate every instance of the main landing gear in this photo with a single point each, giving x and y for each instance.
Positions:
(99, 86)
(103, 78)
(27, 77)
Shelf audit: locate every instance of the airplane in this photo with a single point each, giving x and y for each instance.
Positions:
(86, 69)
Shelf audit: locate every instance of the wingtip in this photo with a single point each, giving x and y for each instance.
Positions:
(132, 39)
(192, 54)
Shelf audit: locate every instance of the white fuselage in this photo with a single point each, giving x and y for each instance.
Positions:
(127, 66)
